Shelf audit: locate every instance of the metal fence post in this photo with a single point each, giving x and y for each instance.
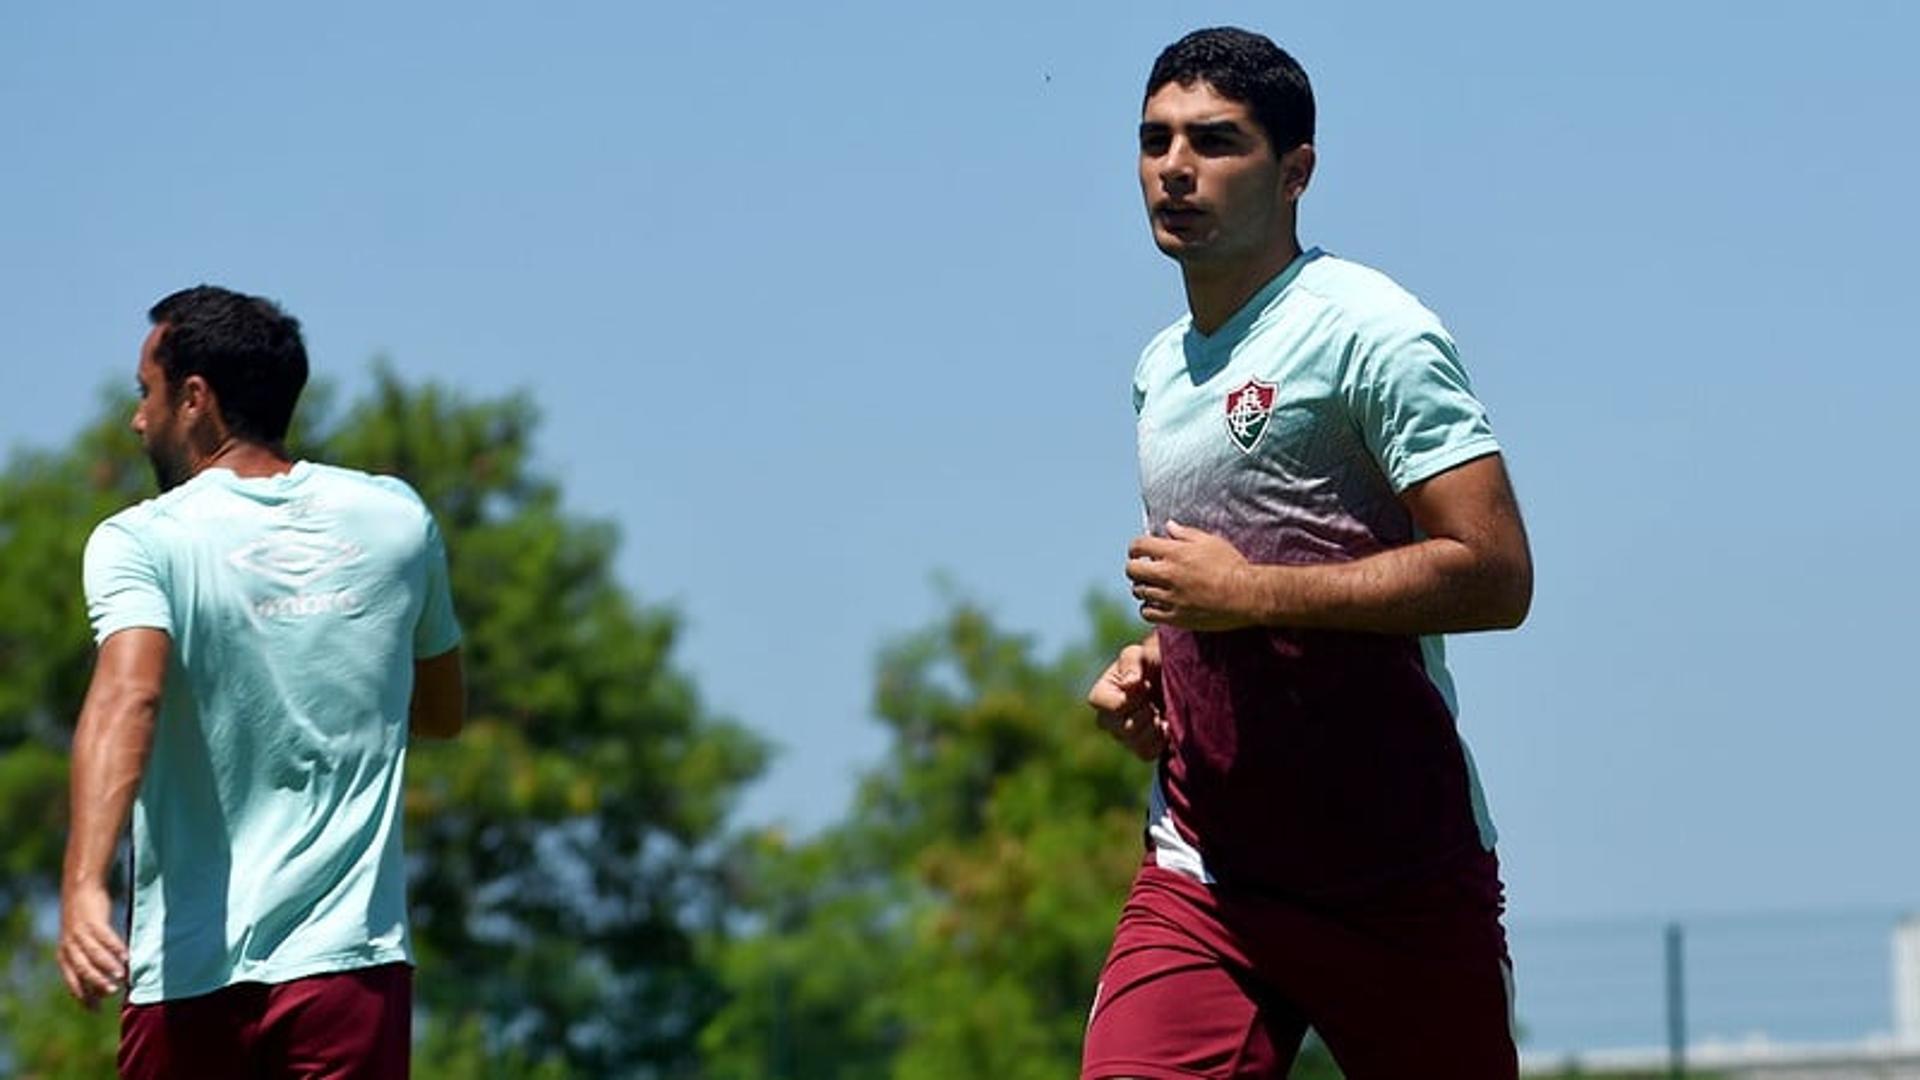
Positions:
(1676, 1006)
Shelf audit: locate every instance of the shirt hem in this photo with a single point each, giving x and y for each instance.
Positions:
(1432, 464)
(331, 964)
(136, 622)
(433, 652)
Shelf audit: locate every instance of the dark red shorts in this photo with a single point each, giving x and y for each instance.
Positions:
(350, 1024)
(1206, 981)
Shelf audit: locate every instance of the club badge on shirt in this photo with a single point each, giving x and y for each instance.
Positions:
(1249, 405)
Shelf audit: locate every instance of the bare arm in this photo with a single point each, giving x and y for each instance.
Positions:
(1473, 571)
(439, 706)
(110, 748)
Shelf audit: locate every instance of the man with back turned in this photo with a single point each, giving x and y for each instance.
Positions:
(271, 633)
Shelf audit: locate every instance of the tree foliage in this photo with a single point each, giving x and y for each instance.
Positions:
(954, 926)
(566, 852)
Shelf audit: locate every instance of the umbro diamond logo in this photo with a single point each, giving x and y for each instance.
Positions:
(294, 561)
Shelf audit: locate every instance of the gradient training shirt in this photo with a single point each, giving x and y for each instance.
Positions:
(1308, 763)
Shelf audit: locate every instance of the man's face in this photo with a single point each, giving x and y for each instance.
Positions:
(1215, 192)
(157, 421)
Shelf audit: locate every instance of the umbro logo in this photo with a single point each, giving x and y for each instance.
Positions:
(294, 561)
(1249, 407)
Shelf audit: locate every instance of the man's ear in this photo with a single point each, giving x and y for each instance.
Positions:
(1296, 171)
(196, 398)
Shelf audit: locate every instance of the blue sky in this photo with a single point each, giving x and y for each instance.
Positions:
(822, 301)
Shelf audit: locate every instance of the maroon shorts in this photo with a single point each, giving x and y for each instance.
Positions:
(1206, 981)
(354, 1024)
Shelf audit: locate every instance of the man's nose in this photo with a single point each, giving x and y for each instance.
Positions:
(1176, 168)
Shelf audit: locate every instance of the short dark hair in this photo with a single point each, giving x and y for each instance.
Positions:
(247, 349)
(1245, 67)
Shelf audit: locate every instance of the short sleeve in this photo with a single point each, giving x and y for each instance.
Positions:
(122, 584)
(438, 630)
(1411, 400)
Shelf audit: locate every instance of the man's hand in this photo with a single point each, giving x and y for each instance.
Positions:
(93, 959)
(1126, 700)
(1191, 579)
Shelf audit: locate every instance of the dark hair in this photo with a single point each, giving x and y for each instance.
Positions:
(1245, 67)
(247, 349)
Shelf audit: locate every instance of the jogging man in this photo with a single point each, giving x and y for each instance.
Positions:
(270, 633)
(1324, 496)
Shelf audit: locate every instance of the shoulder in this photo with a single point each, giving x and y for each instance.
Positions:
(390, 492)
(152, 515)
(133, 519)
(126, 547)
(1366, 304)
(120, 532)
(136, 525)
(1164, 344)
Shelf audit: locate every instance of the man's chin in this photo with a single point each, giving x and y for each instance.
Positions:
(1184, 249)
(1173, 247)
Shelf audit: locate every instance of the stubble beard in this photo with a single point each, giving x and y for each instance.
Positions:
(169, 469)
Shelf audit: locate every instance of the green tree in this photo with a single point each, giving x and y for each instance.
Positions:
(954, 926)
(567, 851)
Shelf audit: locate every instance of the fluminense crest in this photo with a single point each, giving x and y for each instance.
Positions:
(1249, 405)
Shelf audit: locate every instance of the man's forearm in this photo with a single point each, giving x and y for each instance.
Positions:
(110, 750)
(1432, 586)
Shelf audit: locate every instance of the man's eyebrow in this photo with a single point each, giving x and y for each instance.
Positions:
(1202, 127)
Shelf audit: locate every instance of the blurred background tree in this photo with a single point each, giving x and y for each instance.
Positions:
(954, 925)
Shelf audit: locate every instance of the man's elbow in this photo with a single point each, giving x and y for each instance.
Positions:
(1511, 598)
(117, 710)
(128, 701)
(1496, 595)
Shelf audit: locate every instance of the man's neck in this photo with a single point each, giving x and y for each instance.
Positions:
(1214, 293)
(245, 458)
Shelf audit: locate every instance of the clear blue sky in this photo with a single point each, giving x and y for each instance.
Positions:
(822, 299)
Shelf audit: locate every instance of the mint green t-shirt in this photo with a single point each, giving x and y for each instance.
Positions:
(266, 833)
